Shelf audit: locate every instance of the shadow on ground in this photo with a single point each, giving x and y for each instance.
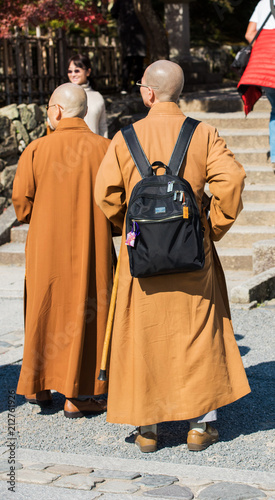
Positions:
(9, 375)
(249, 415)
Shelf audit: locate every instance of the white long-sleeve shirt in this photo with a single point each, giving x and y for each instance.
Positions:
(96, 114)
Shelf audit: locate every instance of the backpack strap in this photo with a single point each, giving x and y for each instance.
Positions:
(182, 144)
(140, 159)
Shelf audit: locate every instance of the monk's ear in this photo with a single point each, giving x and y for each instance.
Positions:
(58, 113)
(151, 96)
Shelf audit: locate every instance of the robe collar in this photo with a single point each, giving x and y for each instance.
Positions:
(165, 108)
(72, 123)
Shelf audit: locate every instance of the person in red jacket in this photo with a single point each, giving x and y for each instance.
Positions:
(259, 75)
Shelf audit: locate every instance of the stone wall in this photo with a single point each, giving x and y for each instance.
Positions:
(19, 125)
(219, 59)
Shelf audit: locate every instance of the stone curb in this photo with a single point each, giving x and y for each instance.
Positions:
(259, 288)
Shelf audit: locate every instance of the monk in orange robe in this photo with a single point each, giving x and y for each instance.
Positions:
(68, 259)
(173, 354)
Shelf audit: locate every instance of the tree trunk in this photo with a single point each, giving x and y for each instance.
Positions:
(154, 30)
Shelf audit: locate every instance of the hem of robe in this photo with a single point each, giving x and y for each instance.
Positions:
(114, 418)
(53, 385)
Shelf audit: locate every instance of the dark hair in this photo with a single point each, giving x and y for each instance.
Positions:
(82, 61)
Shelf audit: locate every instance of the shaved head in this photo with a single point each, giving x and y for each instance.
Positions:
(168, 79)
(72, 98)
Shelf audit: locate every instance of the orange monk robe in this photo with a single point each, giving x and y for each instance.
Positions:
(68, 261)
(174, 354)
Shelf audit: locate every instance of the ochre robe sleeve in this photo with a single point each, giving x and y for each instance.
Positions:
(24, 186)
(226, 177)
(109, 187)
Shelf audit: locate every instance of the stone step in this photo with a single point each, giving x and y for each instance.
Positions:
(234, 259)
(256, 193)
(19, 234)
(262, 104)
(255, 214)
(252, 138)
(259, 193)
(245, 236)
(12, 253)
(218, 101)
(236, 120)
(236, 278)
(253, 156)
(259, 174)
(229, 259)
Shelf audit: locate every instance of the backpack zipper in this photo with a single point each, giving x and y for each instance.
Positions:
(158, 220)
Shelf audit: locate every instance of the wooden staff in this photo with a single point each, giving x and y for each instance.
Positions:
(106, 345)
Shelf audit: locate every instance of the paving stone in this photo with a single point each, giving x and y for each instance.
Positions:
(34, 476)
(16, 337)
(173, 491)
(38, 466)
(15, 343)
(197, 482)
(230, 491)
(156, 480)
(6, 467)
(115, 486)
(121, 496)
(76, 481)
(5, 344)
(270, 487)
(26, 491)
(115, 474)
(68, 469)
(3, 477)
(12, 356)
(125, 496)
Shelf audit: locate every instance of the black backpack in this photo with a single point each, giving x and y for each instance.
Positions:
(163, 228)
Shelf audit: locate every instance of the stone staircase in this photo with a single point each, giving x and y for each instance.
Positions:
(248, 138)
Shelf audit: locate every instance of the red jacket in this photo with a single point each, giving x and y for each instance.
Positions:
(260, 71)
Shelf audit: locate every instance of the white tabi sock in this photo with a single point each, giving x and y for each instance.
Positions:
(148, 428)
(194, 426)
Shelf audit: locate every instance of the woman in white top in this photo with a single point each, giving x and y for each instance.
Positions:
(79, 72)
(258, 17)
(260, 71)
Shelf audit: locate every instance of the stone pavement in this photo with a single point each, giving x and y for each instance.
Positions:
(59, 475)
(49, 475)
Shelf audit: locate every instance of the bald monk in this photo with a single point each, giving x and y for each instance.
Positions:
(68, 259)
(173, 353)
